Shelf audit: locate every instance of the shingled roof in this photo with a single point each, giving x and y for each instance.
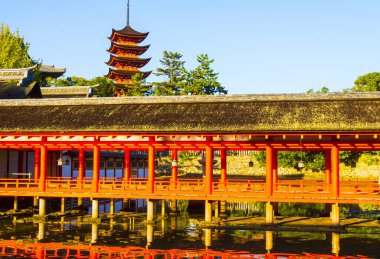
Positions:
(335, 112)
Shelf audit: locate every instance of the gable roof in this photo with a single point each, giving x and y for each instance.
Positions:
(335, 112)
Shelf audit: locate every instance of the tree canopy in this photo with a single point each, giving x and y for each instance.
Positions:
(367, 83)
(13, 49)
(180, 81)
(174, 71)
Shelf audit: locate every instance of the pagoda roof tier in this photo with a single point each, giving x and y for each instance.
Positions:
(133, 49)
(219, 114)
(127, 61)
(128, 33)
(125, 74)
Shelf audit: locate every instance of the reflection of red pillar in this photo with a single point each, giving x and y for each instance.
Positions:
(151, 168)
(95, 169)
(36, 164)
(43, 160)
(127, 165)
(328, 166)
(40, 253)
(175, 167)
(275, 167)
(269, 169)
(208, 164)
(223, 165)
(335, 170)
(81, 166)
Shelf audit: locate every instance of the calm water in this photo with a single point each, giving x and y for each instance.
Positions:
(126, 237)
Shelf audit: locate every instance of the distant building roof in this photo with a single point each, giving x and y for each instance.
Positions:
(67, 92)
(10, 90)
(334, 112)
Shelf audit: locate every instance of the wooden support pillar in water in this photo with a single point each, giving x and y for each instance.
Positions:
(42, 206)
(208, 211)
(149, 235)
(216, 209)
(125, 205)
(223, 210)
(269, 218)
(112, 206)
(149, 211)
(268, 241)
(80, 201)
(173, 207)
(335, 219)
(94, 232)
(95, 208)
(163, 209)
(35, 201)
(41, 231)
(62, 205)
(15, 203)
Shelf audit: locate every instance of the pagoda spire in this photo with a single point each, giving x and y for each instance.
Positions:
(125, 60)
(128, 13)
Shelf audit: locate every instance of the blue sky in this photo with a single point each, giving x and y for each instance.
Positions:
(259, 46)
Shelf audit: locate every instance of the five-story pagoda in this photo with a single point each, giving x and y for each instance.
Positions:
(125, 58)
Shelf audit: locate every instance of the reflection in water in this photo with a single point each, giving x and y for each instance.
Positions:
(335, 243)
(94, 233)
(268, 241)
(117, 239)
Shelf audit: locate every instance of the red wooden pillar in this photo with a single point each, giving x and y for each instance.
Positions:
(275, 168)
(335, 170)
(95, 169)
(151, 167)
(269, 169)
(223, 165)
(43, 160)
(127, 165)
(174, 166)
(36, 164)
(208, 169)
(328, 166)
(81, 166)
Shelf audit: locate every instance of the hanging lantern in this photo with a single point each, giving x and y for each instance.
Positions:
(60, 161)
(250, 163)
(67, 161)
(301, 164)
(174, 163)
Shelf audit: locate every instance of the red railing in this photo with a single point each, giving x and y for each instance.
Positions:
(310, 190)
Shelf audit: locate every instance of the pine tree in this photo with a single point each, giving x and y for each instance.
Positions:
(203, 80)
(173, 69)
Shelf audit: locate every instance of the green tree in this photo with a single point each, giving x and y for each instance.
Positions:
(13, 50)
(139, 86)
(367, 83)
(172, 68)
(203, 80)
(104, 87)
(323, 90)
